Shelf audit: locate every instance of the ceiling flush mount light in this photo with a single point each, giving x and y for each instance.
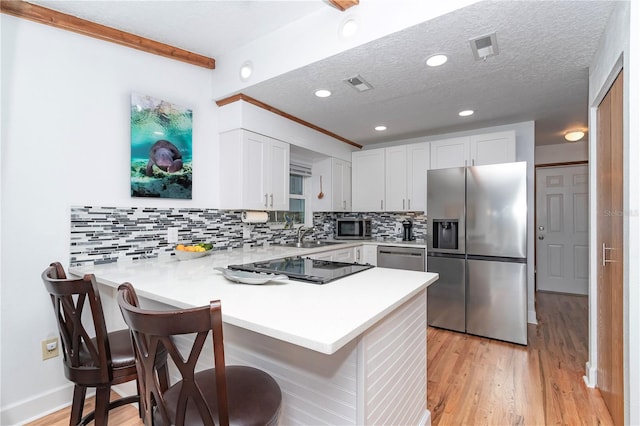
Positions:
(380, 128)
(436, 60)
(323, 93)
(574, 135)
(466, 113)
(246, 70)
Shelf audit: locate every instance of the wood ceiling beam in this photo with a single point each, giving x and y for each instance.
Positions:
(344, 4)
(46, 16)
(243, 97)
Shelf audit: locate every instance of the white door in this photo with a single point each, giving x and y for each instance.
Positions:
(562, 229)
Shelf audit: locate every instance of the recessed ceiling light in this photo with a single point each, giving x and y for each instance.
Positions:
(246, 70)
(349, 27)
(466, 113)
(380, 128)
(436, 60)
(323, 93)
(574, 136)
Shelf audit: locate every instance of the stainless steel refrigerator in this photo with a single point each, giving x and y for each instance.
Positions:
(477, 242)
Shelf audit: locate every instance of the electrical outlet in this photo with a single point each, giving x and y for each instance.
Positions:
(50, 348)
(172, 235)
(398, 228)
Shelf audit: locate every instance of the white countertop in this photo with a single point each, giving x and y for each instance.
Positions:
(318, 317)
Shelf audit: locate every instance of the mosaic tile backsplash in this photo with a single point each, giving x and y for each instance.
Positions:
(111, 234)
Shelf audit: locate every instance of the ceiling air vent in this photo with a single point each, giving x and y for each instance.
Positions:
(484, 46)
(358, 83)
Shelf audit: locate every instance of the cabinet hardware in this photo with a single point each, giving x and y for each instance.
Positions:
(604, 255)
(344, 204)
(409, 204)
(403, 204)
(266, 200)
(381, 208)
(271, 200)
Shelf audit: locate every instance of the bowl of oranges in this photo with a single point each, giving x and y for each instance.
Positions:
(192, 251)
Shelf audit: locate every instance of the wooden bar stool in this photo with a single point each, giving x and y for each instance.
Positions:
(223, 395)
(99, 362)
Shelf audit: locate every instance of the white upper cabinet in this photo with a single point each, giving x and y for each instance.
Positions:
(476, 150)
(254, 171)
(335, 175)
(449, 153)
(406, 177)
(368, 180)
(493, 148)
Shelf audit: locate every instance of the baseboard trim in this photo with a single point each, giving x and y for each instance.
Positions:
(41, 404)
(531, 318)
(590, 378)
(426, 418)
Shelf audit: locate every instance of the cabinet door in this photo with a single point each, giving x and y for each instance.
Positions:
(368, 180)
(344, 255)
(346, 186)
(278, 175)
(255, 189)
(370, 254)
(396, 178)
(493, 148)
(450, 153)
(341, 185)
(417, 166)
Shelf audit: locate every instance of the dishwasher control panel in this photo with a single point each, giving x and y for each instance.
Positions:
(410, 258)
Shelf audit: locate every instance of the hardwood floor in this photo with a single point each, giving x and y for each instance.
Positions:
(127, 415)
(478, 381)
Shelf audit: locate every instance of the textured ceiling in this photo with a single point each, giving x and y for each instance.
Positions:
(540, 74)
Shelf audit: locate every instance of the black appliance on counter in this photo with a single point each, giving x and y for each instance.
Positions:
(407, 232)
(304, 269)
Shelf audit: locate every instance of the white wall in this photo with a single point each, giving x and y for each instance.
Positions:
(562, 153)
(619, 47)
(525, 143)
(66, 141)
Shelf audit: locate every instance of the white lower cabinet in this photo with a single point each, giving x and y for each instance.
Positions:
(369, 254)
(347, 255)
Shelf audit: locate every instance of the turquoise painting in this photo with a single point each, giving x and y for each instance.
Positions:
(161, 148)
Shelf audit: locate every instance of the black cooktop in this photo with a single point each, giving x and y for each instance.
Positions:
(304, 269)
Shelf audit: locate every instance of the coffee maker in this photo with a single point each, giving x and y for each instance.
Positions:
(407, 233)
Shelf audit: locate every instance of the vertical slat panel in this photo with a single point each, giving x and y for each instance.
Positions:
(395, 366)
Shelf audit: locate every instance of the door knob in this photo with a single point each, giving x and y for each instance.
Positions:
(541, 237)
(541, 228)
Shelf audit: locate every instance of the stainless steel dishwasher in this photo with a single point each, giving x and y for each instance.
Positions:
(401, 258)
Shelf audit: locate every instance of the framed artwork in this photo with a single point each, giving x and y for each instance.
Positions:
(161, 148)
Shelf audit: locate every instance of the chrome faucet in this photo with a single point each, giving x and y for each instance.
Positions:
(302, 231)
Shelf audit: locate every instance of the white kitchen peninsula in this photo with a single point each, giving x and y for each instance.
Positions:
(352, 351)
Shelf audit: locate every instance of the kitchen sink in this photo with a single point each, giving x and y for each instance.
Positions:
(311, 244)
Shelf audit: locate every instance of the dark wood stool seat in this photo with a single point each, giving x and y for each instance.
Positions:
(237, 395)
(100, 362)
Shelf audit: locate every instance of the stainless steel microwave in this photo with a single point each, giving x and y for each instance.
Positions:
(353, 229)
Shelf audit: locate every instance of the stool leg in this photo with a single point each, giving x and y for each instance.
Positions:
(102, 405)
(77, 405)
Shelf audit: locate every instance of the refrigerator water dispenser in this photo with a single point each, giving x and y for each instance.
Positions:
(445, 234)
